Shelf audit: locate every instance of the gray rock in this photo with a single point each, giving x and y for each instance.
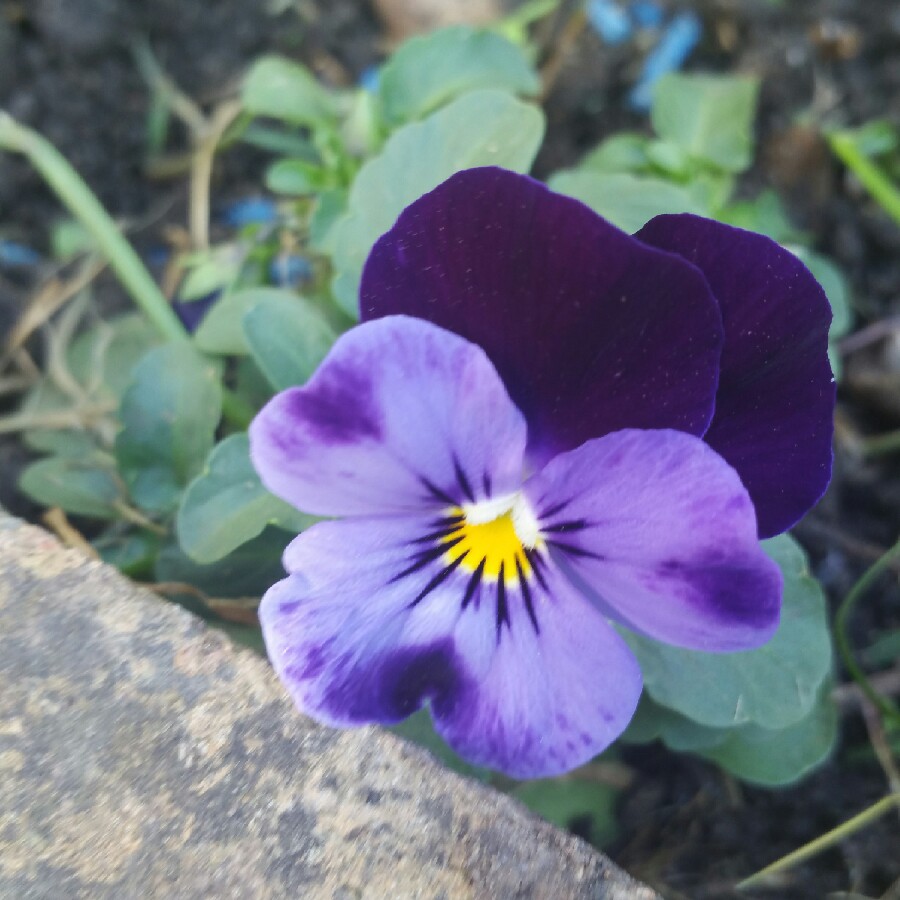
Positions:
(143, 755)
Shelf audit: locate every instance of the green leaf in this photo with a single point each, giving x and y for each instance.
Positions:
(65, 442)
(780, 756)
(108, 353)
(250, 384)
(483, 128)
(210, 272)
(169, 415)
(773, 686)
(876, 138)
(655, 722)
(627, 201)
(670, 158)
(623, 152)
(100, 360)
(222, 329)
(586, 807)
(328, 208)
(765, 214)
(68, 238)
(288, 337)
(709, 116)
(285, 90)
(132, 553)
(226, 505)
(84, 486)
(429, 71)
(296, 177)
(247, 572)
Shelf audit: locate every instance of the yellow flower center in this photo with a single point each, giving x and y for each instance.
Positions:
(496, 536)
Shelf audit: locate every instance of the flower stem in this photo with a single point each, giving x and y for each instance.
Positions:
(882, 444)
(873, 179)
(885, 706)
(71, 189)
(829, 839)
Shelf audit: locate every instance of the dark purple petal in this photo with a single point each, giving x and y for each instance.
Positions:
(591, 330)
(775, 403)
(400, 416)
(660, 532)
(521, 674)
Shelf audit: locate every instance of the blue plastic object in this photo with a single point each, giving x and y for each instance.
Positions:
(289, 270)
(680, 37)
(18, 256)
(370, 79)
(250, 211)
(647, 14)
(609, 20)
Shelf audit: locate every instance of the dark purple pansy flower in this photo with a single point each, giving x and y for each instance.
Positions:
(508, 490)
(592, 330)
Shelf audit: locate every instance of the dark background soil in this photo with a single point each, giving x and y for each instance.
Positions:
(66, 69)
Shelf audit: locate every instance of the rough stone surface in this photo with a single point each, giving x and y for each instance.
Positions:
(142, 755)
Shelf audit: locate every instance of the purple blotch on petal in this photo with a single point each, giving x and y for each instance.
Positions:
(735, 593)
(399, 683)
(400, 417)
(341, 410)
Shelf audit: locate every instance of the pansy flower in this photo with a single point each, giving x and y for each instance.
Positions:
(544, 431)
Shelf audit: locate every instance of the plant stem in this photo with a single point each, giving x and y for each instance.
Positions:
(868, 578)
(882, 444)
(71, 189)
(876, 182)
(829, 839)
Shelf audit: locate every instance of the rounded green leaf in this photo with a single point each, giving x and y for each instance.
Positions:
(283, 89)
(246, 572)
(773, 686)
(429, 71)
(482, 128)
(622, 152)
(628, 201)
(169, 415)
(709, 116)
(652, 722)
(222, 328)
(84, 486)
(226, 505)
(780, 756)
(288, 337)
(100, 361)
(296, 177)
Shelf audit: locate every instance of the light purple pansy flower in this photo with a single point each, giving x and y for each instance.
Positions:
(557, 448)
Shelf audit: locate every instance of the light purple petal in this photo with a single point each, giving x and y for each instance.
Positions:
(660, 531)
(342, 630)
(591, 330)
(529, 680)
(551, 698)
(775, 403)
(400, 415)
